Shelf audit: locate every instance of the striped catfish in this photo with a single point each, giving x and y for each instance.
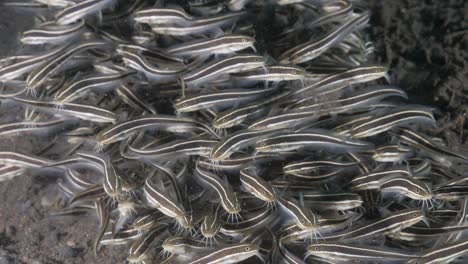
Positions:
(330, 201)
(40, 75)
(142, 248)
(103, 210)
(11, 158)
(345, 252)
(236, 141)
(32, 127)
(451, 192)
(121, 237)
(303, 216)
(90, 194)
(151, 71)
(155, 16)
(50, 33)
(238, 161)
(112, 182)
(360, 99)
(197, 26)
(77, 89)
(19, 66)
(435, 151)
(390, 224)
(149, 220)
(273, 73)
(125, 129)
(80, 10)
(428, 234)
(406, 186)
(305, 168)
(160, 199)
(333, 11)
(444, 253)
(153, 55)
(73, 110)
(376, 177)
(8, 172)
(227, 197)
(257, 186)
(392, 153)
(254, 220)
(314, 48)
(226, 44)
(219, 100)
(185, 147)
(56, 3)
(222, 67)
(236, 116)
(309, 139)
(211, 225)
(184, 246)
(231, 253)
(295, 119)
(288, 256)
(334, 82)
(328, 224)
(392, 118)
(131, 98)
(78, 180)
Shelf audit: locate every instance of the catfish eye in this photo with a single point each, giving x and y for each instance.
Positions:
(247, 248)
(302, 221)
(417, 191)
(316, 248)
(414, 215)
(244, 40)
(224, 120)
(263, 193)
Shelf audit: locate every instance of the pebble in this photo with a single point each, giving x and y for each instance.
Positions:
(71, 243)
(47, 201)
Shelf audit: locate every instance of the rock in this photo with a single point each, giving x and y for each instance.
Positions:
(47, 201)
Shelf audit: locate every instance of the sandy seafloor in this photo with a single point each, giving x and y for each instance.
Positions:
(424, 42)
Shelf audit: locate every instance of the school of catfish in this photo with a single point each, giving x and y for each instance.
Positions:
(231, 131)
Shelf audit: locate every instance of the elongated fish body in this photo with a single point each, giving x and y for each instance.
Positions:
(80, 111)
(155, 16)
(197, 26)
(80, 10)
(222, 67)
(343, 252)
(25, 65)
(123, 130)
(52, 34)
(220, 45)
(219, 100)
(308, 139)
(229, 254)
(313, 49)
